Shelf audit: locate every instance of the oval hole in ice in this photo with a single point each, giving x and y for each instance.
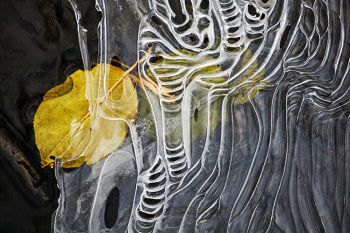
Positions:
(112, 206)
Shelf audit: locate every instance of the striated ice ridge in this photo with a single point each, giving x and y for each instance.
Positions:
(250, 127)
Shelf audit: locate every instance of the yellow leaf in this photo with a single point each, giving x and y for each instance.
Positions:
(65, 128)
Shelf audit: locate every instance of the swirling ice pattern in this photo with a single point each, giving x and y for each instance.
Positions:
(263, 176)
(275, 155)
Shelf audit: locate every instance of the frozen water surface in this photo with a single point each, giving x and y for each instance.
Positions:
(248, 130)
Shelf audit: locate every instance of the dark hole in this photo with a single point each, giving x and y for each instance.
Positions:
(156, 166)
(285, 36)
(233, 40)
(262, 16)
(155, 176)
(178, 19)
(172, 152)
(112, 206)
(146, 215)
(230, 10)
(184, 27)
(189, 6)
(233, 29)
(193, 38)
(265, 1)
(204, 4)
(149, 45)
(206, 41)
(52, 157)
(152, 201)
(231, 19)
(195, 115)
(252, 10)
(233, 49)
(156, 59)
(173, 159)
(156, 20)
(176, 8)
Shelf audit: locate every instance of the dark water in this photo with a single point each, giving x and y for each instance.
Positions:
(38, 49)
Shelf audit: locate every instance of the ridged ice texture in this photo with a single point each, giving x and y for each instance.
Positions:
(251, 122)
